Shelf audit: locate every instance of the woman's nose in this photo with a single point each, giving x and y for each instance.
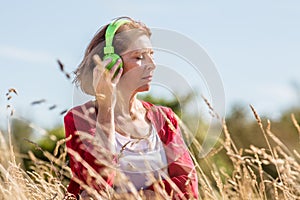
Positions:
(150, 63)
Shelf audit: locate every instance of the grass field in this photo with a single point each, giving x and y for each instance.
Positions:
(245, 178)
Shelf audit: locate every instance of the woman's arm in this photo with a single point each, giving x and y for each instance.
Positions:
(104, 83)
(86, 163)
(91, 151)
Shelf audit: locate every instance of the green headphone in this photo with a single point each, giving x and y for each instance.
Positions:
(109, 51)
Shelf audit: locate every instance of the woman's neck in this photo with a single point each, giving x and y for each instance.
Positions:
(128, 106)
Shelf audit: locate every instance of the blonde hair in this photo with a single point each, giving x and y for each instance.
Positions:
(84, 72)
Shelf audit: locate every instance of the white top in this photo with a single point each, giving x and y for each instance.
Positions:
(141, 157)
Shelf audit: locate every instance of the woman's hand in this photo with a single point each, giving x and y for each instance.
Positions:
(105, 81)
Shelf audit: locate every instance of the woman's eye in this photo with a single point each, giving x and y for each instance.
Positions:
(140, 57)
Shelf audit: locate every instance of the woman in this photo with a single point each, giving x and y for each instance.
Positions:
(118, 144)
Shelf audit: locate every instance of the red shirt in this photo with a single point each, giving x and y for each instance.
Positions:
(180, 165)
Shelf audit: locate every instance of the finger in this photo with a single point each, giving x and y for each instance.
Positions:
(101, 64)
(100, 69)
(96, 78)
(98, 62)
(97, 59)
(106, 62)
(118, 76)
(97, 72)
(115, 67)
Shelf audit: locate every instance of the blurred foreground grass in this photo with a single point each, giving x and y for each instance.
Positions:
(251, 160)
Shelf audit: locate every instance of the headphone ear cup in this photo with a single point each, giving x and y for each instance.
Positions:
(114, 58)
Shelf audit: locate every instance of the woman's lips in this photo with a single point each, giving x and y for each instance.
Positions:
(148, 77)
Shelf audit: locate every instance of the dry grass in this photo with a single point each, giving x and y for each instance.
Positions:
(247, 180)
(42, 182)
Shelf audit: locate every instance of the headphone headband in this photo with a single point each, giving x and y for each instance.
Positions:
(110, 33)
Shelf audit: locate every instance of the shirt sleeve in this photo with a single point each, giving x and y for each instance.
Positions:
(86, 169)
(181, 168)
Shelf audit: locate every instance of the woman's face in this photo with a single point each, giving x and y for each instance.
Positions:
(138, 65)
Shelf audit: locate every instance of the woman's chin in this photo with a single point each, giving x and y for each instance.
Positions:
(144, 88)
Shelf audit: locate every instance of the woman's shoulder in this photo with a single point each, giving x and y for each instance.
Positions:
(82, 111)
(161, 116)
(155, 107)
(81, 108)
(159, 109)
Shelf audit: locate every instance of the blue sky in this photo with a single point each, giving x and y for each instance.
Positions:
(254, 44)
